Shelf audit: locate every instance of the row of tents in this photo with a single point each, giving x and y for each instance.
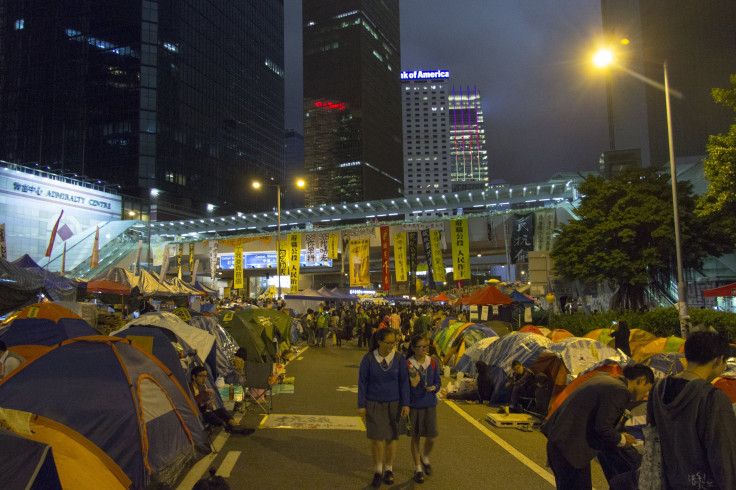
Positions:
(22, 280)
(557, 353)
(116, 411)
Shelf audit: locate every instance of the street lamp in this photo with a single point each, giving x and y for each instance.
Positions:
(257, 185)
(606, 57)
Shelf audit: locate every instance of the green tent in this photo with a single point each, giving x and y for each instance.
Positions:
(246, 333)
(272, 320)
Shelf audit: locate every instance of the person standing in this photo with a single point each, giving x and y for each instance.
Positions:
(425, 381)
(621, 333)
(361, 321)
(587, 422)
(695, 420)
(383, 401)
(323, 320)
(335, 329)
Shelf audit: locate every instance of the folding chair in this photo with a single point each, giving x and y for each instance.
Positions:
(257, 386)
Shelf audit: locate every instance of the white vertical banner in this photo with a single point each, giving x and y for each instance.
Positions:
(213, 260)
(164, 265)
(194, 271)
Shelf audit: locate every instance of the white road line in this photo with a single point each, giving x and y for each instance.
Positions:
(504, 445)
(227, 465)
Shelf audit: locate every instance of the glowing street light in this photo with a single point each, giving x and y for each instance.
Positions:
(605, 58)
(300, 183)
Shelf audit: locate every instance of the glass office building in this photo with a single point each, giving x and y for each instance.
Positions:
(352, 100)
(468, 154)
(186, 97)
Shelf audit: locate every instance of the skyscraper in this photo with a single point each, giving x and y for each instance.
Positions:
(427, 164)
(352, 100)
(468, 154)
(698, 42)
(186, 97)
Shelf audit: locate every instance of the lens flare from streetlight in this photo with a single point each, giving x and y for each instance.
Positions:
(603, 58)
(256, 185)
(300, 183)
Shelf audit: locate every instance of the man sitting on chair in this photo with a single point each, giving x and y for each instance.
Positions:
(205, 399)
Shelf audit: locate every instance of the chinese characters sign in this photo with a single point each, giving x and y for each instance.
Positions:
(400, 256)
(460, 249)
(385, 257)
(295, 249)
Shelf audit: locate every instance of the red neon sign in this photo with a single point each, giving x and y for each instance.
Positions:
(323, 104)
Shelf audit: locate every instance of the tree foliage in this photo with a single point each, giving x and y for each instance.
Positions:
(720, 169)
(624, 234)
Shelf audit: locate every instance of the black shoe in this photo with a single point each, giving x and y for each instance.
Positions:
(427, 468)
(388, 477)
(419, 477)
(376, 483)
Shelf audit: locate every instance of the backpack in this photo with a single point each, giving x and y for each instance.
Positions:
(321, 320)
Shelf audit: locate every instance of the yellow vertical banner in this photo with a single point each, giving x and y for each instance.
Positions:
(438, 263)
(295, 246)
(179, 260)
(460, 249)
(283, 257)
(332, 244)
(400, 256)
(238, 267)
(191, 258)
(360, 270)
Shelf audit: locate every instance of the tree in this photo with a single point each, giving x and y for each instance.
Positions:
(624, 234)
(720, 169)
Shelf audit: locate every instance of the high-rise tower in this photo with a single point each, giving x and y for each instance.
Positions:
(186, 97)
(468, 154)
(352, 100)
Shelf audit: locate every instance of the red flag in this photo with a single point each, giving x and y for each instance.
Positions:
(63, 260)
(53, 236)
(95, 259)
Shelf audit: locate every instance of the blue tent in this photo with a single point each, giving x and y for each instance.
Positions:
(518, 297)
(42, 331)
(26, 464)
(124, 400)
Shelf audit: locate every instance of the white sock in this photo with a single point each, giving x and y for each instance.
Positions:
(379, 468)
(419, 468)
(425, 459)
(387, 467)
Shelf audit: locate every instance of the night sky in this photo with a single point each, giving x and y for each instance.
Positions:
(543, 104)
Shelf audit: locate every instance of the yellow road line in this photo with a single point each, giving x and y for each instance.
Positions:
(227, 465)
(504, 445)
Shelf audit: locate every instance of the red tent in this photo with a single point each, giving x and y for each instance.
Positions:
(106, 286)
(442, 297)
(489, 295)
(727, 290)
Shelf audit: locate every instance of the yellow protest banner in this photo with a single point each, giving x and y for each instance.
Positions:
(295, 247)
(238, 267)
(438, 263)
(460, 249)
(332, 245)
(283, 257)
(360, 271)
(400, 256)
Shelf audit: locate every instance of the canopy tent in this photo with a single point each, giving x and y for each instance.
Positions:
(343, 295)
(27, 262)
(183, 286)
(304, 300)
(489, 295)
(206, 290)
(723, 291)
(120, 398)
(329, 295)
(522, 298)
(107, 287)
(19, 286)
(442, 297)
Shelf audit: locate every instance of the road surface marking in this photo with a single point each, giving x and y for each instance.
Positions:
(504, 445)
(293, 421)
(227, 465)
(200, 469)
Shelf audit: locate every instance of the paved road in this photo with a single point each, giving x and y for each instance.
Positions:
(470, 453)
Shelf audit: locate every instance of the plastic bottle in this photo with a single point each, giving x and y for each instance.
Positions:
(220, 382)
(231, 393)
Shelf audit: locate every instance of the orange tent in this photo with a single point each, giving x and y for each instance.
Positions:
(489, 295)
(602, 335)
(559, 334)
(662, 344)
(442, 297)
(107, 287)
(543, 331)
(48, 311)
(559, 397)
